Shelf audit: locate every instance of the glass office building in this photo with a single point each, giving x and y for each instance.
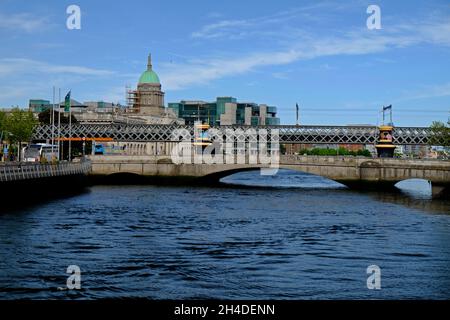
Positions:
(225, 111)
(39, 105)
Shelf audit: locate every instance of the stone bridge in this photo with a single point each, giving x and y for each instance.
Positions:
(354, 172)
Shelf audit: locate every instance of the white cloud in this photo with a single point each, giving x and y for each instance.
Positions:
(17, 66)
(429, 91)
(440, 35)
(219, 29)
(179, 76)
(34, 79)
(281, 75)
(289, 44)
(263, 26)
(23, 21)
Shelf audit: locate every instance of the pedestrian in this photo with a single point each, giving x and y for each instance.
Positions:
(5, 153)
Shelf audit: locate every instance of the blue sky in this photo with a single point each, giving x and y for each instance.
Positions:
(317, 53)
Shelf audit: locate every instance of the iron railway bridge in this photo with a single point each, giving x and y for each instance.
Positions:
(287, 133)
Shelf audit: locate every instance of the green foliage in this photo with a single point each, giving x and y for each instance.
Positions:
(440, 134)
(334, 152)
(2, 123)
(19, 125)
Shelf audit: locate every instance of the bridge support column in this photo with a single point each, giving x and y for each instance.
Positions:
(439, 191)
(367, 185)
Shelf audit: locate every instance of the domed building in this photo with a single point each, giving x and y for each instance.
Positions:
(148, 99)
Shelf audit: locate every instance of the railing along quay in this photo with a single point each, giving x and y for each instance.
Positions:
(22, 171)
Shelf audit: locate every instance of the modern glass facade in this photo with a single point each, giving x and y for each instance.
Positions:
(192, 111)
(39, 105)
(225, 111)
(220, 106)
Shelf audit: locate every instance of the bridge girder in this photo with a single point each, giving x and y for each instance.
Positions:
(287, 133)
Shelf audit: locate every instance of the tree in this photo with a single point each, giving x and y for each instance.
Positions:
(19, 126)
(440, 134)
(2, 125)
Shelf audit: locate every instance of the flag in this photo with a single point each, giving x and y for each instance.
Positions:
(296, 106)
(67, 102)
(387, 107)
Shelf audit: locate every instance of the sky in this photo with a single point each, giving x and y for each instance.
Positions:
(319, 54)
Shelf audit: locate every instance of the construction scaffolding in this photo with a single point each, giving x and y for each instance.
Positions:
(133, 101)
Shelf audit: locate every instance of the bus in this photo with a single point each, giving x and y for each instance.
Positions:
(99, 149)
(38, 151)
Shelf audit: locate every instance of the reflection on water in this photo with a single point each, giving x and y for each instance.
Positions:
(283, 179)
(416, 188)
(413, 193)
(309, 239)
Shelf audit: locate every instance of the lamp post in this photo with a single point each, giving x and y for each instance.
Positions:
(84, 146)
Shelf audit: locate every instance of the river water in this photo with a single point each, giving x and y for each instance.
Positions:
(307, 238)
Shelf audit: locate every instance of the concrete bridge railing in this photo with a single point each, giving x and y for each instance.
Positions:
(24, 171)
(348, 168)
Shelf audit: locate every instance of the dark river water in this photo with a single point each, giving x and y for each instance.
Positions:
(309, 238)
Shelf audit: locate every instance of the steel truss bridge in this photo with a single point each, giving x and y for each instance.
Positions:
(287, 133)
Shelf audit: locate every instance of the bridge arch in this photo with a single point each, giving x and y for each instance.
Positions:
(122, 178)
(215, 176)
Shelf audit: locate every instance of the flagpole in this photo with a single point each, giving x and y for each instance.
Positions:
(390, 113)
(70, 129)
(59, 124)
(53, 119)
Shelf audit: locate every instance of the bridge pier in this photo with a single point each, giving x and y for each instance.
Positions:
(370, 185)
(440, 191)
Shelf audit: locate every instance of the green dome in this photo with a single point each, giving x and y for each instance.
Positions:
(149, 76)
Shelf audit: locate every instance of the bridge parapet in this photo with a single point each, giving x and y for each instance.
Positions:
(24, 171)
(358, 160)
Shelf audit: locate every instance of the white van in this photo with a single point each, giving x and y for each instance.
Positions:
(35, 152)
